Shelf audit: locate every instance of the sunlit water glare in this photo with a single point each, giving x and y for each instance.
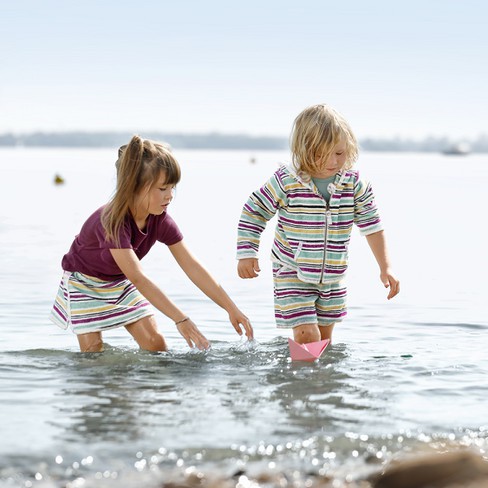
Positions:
(402, 376)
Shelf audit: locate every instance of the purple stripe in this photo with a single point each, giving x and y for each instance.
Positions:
(60, 312)
(306, 195)
(107, 317)
(267, 197)
(369, 223)
(241, 247)
(252, 227)
(295, 315)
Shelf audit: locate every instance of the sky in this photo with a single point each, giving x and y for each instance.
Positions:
(411, 68)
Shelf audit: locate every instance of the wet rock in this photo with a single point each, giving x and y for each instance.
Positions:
(195, 479)
(460, 469)
(238, 473)
(176, 485)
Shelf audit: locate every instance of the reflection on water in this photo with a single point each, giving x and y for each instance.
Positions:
(410, 374)
(312, 397)
(125, 408)
(108, 398)
(242, 394)
(231, 394)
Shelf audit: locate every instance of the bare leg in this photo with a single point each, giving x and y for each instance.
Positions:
(145, 332)
(303, 334)
(326, 332)
(91, 342)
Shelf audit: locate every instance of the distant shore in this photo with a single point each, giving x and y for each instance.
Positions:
(215, 140)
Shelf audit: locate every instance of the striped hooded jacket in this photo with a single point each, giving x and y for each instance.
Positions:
(311, 236)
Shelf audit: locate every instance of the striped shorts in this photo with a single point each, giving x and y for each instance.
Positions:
(298, 303)
(87, 304)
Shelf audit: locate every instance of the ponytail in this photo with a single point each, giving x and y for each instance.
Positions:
(131, 161)
(139, 164)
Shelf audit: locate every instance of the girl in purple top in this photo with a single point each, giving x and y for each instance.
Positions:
(104, 285)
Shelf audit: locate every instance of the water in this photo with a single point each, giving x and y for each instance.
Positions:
(402, 376)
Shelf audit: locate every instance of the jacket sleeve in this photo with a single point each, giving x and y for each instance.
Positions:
(261, 206)
(366, 215)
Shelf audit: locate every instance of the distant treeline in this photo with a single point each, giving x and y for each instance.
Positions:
(216, 140)
(428, 144)
(114, 139)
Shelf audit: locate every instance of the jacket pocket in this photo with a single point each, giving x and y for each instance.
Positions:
(298, 251)
(280, 270)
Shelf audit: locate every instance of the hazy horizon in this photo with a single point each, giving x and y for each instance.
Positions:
(392, 69)
(203, 133)
(215, 140)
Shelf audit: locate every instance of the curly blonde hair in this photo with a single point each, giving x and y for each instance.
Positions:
(316, 131)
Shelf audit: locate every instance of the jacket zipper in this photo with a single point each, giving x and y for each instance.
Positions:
(328, 221)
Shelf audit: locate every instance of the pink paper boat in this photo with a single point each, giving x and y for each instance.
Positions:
(307, 352)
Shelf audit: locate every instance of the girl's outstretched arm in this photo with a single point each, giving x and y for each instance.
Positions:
(130, 265)
(377, 243)
(202, 278)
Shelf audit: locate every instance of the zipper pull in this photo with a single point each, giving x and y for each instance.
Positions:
(328, 216)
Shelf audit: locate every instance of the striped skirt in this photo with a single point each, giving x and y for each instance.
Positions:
(87, 304)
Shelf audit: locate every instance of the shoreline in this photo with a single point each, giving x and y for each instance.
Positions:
(455, 467)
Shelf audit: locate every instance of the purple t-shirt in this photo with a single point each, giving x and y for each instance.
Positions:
(90, 252)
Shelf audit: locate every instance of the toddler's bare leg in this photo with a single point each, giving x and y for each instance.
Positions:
(326, 332)
(303, 334)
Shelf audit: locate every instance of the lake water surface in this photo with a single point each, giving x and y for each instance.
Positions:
(402, 376)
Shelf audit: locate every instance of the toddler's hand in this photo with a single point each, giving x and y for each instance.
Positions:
(192, 335)
(391, 282)
(248, 268)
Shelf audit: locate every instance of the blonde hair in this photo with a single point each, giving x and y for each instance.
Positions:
(139, 166)
(316, 131)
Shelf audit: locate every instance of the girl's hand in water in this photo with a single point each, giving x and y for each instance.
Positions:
(240, 321)
(192, 335)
